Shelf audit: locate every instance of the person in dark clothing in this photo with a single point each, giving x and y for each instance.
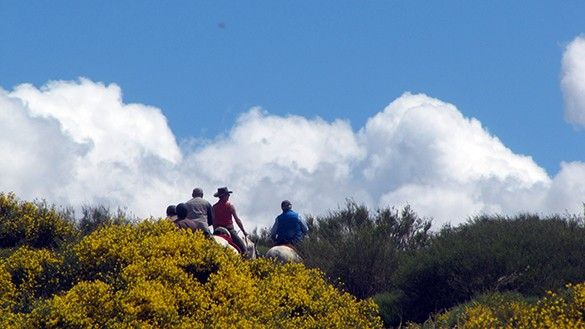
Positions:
(289, 227)
(183, 222)
(171, 213)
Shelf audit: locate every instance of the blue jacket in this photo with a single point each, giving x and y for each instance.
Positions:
(288, 227)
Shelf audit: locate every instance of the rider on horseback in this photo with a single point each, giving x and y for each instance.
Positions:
(184, 223)
(224, 214)
(289, 228)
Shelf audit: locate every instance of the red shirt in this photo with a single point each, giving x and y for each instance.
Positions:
(223, 214)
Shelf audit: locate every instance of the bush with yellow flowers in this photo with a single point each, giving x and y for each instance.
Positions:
(151, 275)
(34, 273)
(510, 310)
(33, 224)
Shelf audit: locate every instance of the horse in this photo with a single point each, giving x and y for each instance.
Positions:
(224, 243)
(284, 254)
(250, 251)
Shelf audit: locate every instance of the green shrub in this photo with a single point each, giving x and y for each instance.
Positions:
(95, 217)
(360, 250)
(511, 310)
(389, 305)
(526, 254)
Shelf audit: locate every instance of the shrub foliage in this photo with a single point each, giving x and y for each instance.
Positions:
(151, 275)
(511, 310)
(33, 224)
(106, 271)
(413, 273)
(360, 249)
(526, 254)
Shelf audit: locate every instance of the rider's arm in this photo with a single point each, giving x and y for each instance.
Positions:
(274, 229)
(238, 221)
(209, 215)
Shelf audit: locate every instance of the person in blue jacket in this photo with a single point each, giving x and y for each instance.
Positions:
(289, 227)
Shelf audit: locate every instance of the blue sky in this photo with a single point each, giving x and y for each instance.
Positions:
(205, 64)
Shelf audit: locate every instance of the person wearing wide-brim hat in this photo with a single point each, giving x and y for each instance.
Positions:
(222, 191)
(224, 213)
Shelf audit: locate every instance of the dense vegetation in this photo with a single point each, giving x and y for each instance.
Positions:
(413, 273)
(108, 271)
(358, 250)
(524, 254)
(562, 310)
(105, 272)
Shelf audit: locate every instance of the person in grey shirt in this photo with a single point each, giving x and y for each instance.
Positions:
(199, 209)
(184, 223)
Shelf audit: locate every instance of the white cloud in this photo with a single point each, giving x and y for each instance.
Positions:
(92, 112)
(567, 192)
(36, 156)
(77, 142)
(423, 152)
(267, 158)
(573, 81)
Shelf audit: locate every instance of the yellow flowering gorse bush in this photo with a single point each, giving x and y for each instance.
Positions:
(564, 310)
(26, 223)
(151, 275)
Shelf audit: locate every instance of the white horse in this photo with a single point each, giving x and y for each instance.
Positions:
(249, 252)
(224, 243)
(284, 254)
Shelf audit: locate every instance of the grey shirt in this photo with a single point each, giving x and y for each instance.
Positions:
(200, 210)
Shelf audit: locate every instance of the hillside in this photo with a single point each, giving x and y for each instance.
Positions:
(360, 267)
(151, 275)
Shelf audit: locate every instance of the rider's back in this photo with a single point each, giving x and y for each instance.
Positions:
(289, 227)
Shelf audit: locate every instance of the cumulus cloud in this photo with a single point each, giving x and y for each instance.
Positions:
(423, 152)
(36, 156)
(78, 142)
(573, 81)
(271, 158)
(568, 189)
